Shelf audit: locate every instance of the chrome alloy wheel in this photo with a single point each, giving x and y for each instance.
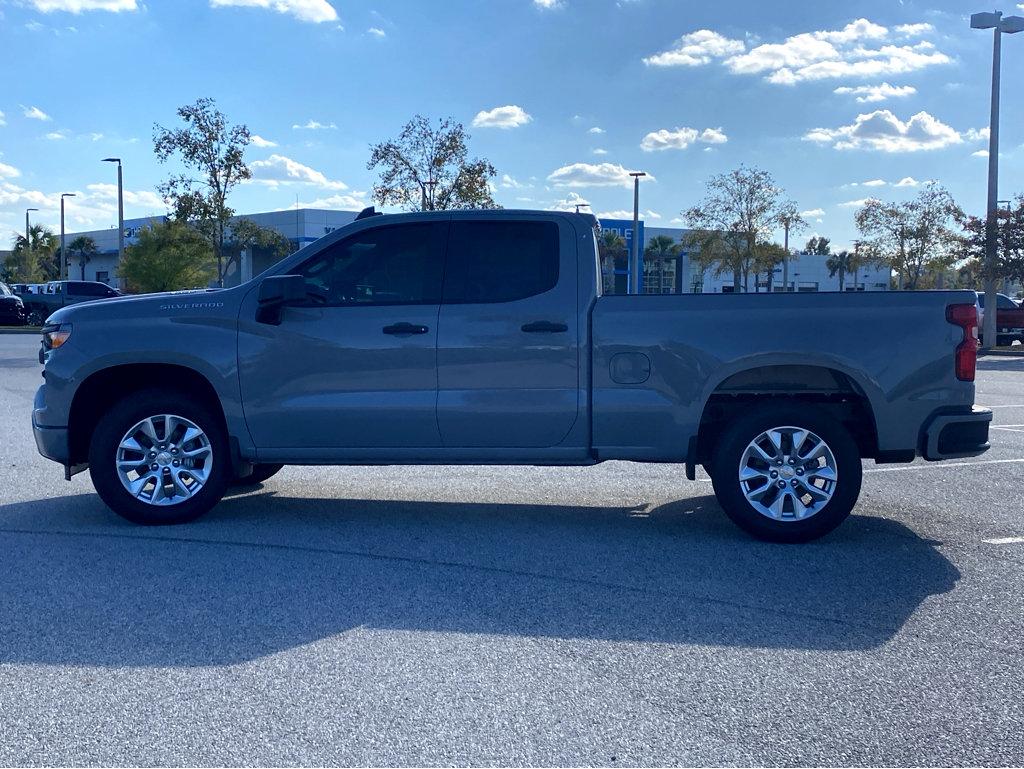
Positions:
(788, 473)
(164, 460)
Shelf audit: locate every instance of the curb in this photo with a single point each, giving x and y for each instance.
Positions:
(20, 330)
(1001, 353)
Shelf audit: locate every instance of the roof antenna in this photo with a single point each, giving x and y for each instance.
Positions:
(367, 212)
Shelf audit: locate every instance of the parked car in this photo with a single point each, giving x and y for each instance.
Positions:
(482, 337)
(1009, 319)
(61, 293)
(12, 308)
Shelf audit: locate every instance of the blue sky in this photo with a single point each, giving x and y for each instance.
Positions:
(840, 101)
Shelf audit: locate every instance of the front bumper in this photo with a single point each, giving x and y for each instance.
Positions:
(953, 435)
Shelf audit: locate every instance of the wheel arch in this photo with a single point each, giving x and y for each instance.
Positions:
(833, 389)
(104, 387)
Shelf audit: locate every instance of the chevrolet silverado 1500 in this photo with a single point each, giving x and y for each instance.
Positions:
(482, 337)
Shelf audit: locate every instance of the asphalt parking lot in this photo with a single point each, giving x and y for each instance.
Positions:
(421, 616)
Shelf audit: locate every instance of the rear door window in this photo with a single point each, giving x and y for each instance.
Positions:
(500, 261)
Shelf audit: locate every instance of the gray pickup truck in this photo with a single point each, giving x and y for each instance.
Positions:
(482, 337)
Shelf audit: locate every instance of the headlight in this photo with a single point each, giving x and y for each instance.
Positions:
(56, 336)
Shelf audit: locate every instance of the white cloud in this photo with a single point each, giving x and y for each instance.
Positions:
(278, 169)
(34, 113)
(259, 141)
(354, 201)
(977, 134)
(591, 175)
(77, 6)
(315, 11)
(914, 30)
(511, 183)
(547, 5)
(907, 181)
(980, 154)
(314, 125)
(653, 214)
(860, 49)
(854, 203)
(141, 198)
(509, 116)
(8, 172)
(882, 131)
(377, 32)
(874, 93)
(596, 130)
(873, 183)
(2, 121)
(677, 220)
(681, 138)
(812, 213)
(95, 136)
(619, 213)
(57, 135)
(600, 151)
(569, 202)
(695, 49)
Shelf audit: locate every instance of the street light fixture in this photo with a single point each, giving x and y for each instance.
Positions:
(634, 258)
(120, 209)
(999, 25)
(63, 258)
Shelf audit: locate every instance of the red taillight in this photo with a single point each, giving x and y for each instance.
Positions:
(966, 358)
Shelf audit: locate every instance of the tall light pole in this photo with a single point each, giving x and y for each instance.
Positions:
(28, 234)
(998, 25)
(120, 209)
(634, 257)
(63, 258)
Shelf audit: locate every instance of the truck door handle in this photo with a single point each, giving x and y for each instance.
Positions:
(544, 327)
(405, 329)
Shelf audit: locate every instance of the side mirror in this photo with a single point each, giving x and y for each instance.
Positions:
(275, 292)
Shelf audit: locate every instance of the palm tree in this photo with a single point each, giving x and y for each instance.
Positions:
(85, 248)
(611, 246)
(842, 263)
(38, 263)
(660, 248)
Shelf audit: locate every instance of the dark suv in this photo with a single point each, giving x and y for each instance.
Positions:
(12, 309)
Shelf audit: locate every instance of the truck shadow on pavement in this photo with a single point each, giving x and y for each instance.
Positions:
(265, 573)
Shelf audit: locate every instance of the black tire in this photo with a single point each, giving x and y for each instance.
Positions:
(119, 419)
(260, 473)
(730, 449)
(34, 318)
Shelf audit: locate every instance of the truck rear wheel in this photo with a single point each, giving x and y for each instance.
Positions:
(788, 473)
(159, 457)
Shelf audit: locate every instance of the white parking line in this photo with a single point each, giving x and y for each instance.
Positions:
(1004, 541)
(1009, 428)
(943, 465)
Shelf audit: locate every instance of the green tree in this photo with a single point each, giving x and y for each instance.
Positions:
(82, 249)
(738, 209)
(428, 168)
(168, 256)
(914, 237)
(37, 264)
(1009, 246)
(818, 245)
(658, 250)
(767, 256)
(213, 154)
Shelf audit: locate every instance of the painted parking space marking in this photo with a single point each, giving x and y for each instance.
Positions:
(1004, 541)
(943, 466)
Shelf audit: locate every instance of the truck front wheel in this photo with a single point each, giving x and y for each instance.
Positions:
(159, 457)
(787, 473)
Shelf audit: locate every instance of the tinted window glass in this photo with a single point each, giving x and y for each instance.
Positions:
(398, 264)
(86, 289)
(4, 290)
(500, 261)
(1003, 302)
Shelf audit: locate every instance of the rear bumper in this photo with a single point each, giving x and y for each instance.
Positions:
(953, 435)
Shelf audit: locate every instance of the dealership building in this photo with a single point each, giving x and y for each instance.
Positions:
(677, 273)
